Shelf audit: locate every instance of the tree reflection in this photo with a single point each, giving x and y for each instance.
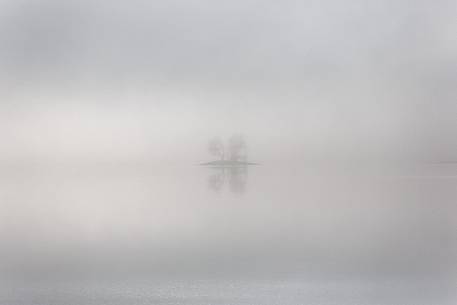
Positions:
(236, 177)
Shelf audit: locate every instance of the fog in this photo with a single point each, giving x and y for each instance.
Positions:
(151, 78)
(347, 109)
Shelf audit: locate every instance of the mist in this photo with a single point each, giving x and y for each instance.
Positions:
(347, 187)
(84, 78)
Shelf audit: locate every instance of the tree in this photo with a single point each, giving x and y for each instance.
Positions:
(216, 148)
(237, 147)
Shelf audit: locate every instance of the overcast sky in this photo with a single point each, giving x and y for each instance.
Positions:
(138, 79)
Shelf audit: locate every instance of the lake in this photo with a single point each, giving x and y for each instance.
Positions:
(143, 234)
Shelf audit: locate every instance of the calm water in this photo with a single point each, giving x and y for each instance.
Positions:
(137, 234)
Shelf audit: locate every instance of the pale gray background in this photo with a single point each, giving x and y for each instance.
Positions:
(106, 108)
(306, 79)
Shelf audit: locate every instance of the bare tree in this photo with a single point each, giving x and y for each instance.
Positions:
(216, 148)
(237, 148)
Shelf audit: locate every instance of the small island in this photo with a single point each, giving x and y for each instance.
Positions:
(234, 154)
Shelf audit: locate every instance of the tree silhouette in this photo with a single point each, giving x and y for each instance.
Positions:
(216, 148)
(237, 148)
